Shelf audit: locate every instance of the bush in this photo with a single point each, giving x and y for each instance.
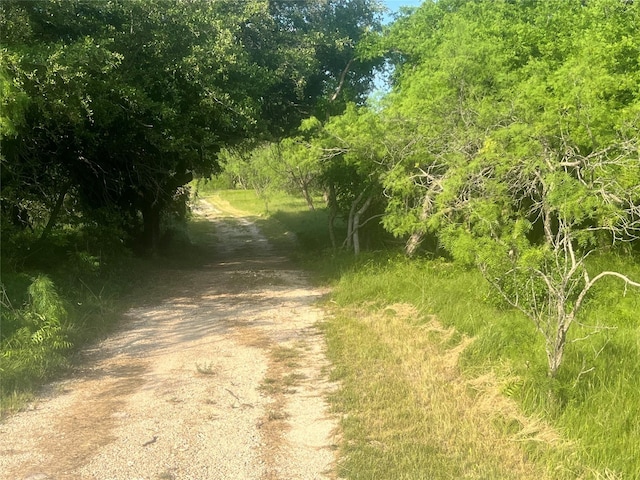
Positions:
(37, 336)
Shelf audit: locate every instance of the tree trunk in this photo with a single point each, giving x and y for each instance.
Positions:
(413, 243)
(356, 226)
(307, 196)
(350, 222)
(555, 351)
(417, 236)
(55, 212)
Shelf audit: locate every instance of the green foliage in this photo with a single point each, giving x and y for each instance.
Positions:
(506, 142)
(254, 168)
(107, 111)
(118, 105)
(35, 337)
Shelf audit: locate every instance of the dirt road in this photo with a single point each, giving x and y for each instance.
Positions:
(223, 378)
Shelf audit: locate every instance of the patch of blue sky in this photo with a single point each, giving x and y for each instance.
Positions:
(395, 5)
(381, 83)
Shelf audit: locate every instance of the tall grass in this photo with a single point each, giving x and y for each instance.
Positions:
(594, 402)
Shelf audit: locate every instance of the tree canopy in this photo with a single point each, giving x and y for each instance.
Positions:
(118, 104)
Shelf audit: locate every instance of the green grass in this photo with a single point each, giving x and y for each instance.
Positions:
(407, 411)
(596, 410)
(582, 424)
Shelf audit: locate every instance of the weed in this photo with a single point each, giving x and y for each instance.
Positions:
(286, 355)
(270, 386)
(410, 413)
(293, 379)
(207, 368)
(276, 415)
(591, 401)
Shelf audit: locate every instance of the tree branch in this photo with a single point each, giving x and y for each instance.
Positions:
(341, 81)
(601, 275)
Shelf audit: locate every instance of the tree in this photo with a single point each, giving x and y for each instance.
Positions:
(353, 158)
(581, 203)
(527, 160)
(254, 166)
(124, 102)
(299, 162)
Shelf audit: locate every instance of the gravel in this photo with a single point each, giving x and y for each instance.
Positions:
(195, 385)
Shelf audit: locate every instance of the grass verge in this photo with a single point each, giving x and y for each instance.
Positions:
(591, 413)
(410, 414)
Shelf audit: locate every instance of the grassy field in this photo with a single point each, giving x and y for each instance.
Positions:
(440, 381)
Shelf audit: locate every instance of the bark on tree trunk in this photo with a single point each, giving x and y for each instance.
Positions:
(417, 236)
(350, 222)
(555, 353)
(356, 226)
(307, 197)
(413, 243)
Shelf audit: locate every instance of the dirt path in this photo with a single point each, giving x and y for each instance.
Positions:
(225, 378)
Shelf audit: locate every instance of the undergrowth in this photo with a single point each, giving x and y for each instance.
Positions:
(35, 336)
(58, 294)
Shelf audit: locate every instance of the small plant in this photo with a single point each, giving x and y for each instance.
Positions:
(270, 386)
(274, 415)
(207, 368)
(293, 379)
(286, 355)
(39, 339)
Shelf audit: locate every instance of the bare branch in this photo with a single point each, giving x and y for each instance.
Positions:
(343, 75)
(601, 275)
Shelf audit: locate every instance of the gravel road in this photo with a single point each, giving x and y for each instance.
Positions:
(224, 377)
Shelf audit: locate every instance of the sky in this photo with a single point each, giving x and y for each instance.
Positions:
(380, 81)
(394, 5)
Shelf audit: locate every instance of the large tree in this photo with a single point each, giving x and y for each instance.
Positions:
(519, 124)
(119, 104)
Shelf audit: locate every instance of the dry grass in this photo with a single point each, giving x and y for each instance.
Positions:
(405, 393)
